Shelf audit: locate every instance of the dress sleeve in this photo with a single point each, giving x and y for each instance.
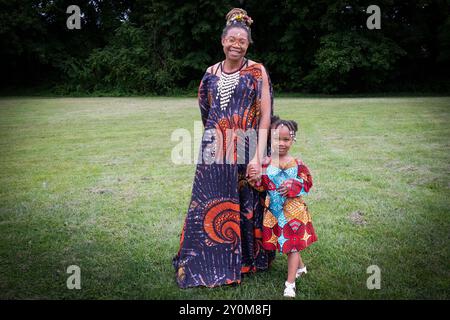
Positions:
(263, 184)
(257, 185)
(203, 99)
(302, 183)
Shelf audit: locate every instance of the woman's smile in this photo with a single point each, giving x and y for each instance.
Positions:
(235, 51)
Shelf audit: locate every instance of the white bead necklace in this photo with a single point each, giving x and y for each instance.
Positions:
(226, 85)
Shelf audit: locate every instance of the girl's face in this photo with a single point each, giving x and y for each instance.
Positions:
(281, 140)
(235, 44)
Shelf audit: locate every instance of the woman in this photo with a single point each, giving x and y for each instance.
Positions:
(222, 234)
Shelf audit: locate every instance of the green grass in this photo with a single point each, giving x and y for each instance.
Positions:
(89, 182)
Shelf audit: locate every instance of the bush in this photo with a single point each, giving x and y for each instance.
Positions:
(352, 60)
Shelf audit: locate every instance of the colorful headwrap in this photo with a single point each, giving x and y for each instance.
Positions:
(238, 15)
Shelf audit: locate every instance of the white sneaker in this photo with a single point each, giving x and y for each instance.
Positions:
(289, 291)
(300, 271)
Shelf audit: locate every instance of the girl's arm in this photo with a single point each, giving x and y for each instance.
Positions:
(300, 185)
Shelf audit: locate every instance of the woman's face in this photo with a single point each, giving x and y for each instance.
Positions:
(235, 44)
(281, 140)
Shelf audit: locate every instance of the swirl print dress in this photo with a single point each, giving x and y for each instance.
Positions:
(222, 234)
(287, 224)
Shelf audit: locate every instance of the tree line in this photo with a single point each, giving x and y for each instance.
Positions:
(164, 47)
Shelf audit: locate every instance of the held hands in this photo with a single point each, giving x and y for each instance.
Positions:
(254, 170)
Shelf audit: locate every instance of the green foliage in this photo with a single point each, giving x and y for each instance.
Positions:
(351, 60)
(162, 47)
(126, 64)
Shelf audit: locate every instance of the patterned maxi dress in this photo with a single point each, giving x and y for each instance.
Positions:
(222, 235)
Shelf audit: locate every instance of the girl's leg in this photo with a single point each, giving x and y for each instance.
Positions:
(293, 263)
(300, 261)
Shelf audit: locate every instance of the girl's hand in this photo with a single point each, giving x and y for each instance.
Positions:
(289, 188)
(283, 190)
(287, 183)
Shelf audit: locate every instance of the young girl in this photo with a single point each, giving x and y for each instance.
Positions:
(287, 223)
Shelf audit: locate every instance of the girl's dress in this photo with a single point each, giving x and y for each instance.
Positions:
(287, 225)
(222, 234)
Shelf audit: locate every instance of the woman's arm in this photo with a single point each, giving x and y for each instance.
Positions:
(264, 122)
(254, 167)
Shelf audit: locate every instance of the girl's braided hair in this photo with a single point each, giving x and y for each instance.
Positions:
(290, 124)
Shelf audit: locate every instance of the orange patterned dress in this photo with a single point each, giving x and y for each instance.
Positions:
(287, 224)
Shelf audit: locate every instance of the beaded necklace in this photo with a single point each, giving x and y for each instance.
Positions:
(226, 84)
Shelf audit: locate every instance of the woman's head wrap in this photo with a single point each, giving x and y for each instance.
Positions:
(239, 16)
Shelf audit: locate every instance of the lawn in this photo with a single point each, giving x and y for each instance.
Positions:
(89, 182)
